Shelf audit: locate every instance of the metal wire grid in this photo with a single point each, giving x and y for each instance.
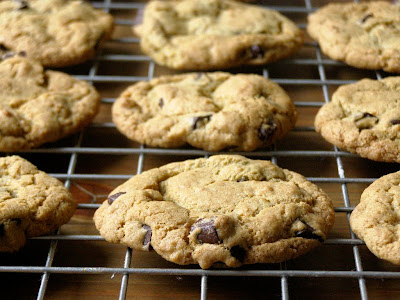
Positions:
(284, 274)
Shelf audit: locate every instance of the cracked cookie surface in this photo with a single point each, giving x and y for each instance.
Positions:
(38, 106)
(376, 219)
(213, 111)
(364, 118)
(32, 203)
(226, 209)
(363, 35)
(55, 32)
(215, 34)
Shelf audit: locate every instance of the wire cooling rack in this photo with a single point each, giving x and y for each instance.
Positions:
(98, 159)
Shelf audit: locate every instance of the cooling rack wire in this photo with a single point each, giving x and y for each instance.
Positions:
(82, 157)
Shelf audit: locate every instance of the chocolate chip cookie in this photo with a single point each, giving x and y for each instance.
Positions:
(38, 106)
(227, 209)
(376, 219)
(215, 34)
(364, 118)
(32, 203)
(213, 111)
(363, 35)
(55, 32)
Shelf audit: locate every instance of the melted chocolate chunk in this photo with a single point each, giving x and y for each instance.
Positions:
(161, 102)
(308, 233)
(238, 252)
(256, 51)
(208, 232)
(395, 122)
(200, 121)
(365, 18)
(266, 131)
(3, 48)
(1, 229)
(147, 236)
(365, 120)
(112, 198)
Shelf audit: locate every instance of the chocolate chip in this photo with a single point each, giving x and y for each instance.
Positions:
(112, 198)
(243, 178)
(208, 232)
(238, 252)
(365, 18)
(308, 233)
(365, 120)
(266, 131)
(256, 51)
(17, 221)
(200, 121)
(161, 102)
(23, 4)
(147, 236)
(368, 115)
(5, 53)
(1, 229)
(395, 122)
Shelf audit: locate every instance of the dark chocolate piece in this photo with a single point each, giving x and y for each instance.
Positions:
(266, 131)
(161, 102)
(365, 18)
(208, 232)
(23, 4)
(238, 252)
(366, 120)
(112, 198)
(147, 236)
(308, 233)
(367, 115)
(200, 121)
(256, 52)
(395, 122)
(243, 178)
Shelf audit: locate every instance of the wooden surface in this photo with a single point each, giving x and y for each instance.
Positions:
(103, 254)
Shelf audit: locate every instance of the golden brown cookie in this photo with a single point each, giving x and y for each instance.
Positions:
(32, 203)
(215, 34)
(376, 219)
(55, 32)
(213, 111)
(364, 118)
(363, 35)
(38, 106)
(226, 209)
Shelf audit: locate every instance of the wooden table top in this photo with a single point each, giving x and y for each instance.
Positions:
(97, 171)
